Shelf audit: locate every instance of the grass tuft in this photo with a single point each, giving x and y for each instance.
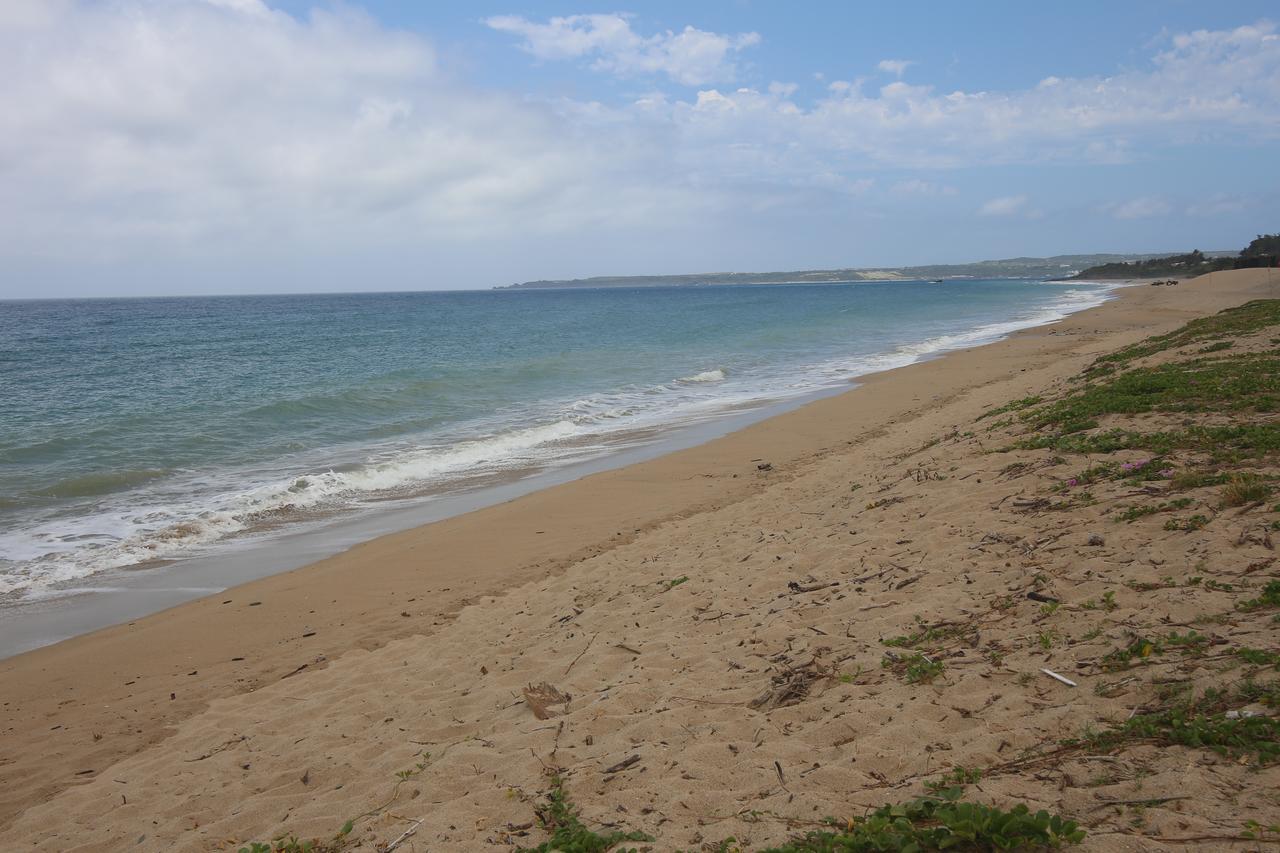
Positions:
(1268, 600)
(944, 822)
(1237, 737)
(1245, 488)
(568, 834)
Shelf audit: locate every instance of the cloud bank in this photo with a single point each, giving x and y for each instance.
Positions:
(228, 134)
(1004, 205)
(159, 124)
(1205, 87)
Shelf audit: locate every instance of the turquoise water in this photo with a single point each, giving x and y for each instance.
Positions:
(138, 430)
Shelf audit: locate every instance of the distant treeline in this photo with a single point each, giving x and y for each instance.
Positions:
(1058, 265)
(1262, 252)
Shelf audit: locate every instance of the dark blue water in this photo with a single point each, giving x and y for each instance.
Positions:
(140, 429)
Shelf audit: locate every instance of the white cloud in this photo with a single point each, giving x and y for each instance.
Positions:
(164, 127)
(1217, 205)
(1141, 208)
(244, 7)
(24, 14)
(916, 186)
(693, 57)
(1207, 87)
(896, 67)
(1004, 206)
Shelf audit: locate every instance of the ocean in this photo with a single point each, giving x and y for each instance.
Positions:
(144, 432)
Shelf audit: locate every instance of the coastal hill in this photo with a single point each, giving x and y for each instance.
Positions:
(1053, 267)
(1261, 252)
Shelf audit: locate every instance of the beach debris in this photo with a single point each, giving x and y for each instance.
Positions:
(404, 836)
(1149, 802)
(1249, 537)
(294, 672)
(1056, 677)
(796, 586)
(542, 697)
(765, 466)
(622, 765)
(877, 606)
(218, 749)
(893, 567)
(1258, 565)
(1041, 597)
(581, 653)
(791, 685)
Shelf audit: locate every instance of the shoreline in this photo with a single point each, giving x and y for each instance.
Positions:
(132, 593)
(114, 596)
(389, 589)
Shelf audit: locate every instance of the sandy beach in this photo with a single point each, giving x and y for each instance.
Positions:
(716, 619)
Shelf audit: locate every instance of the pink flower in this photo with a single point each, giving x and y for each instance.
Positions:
(1073, 482)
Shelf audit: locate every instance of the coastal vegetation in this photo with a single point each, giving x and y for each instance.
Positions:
(1263, 251)
(1191, 264)
(942, 822)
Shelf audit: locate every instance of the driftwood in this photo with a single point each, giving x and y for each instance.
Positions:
(622, 765)
(795, 586)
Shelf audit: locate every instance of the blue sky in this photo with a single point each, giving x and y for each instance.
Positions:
(184, 146)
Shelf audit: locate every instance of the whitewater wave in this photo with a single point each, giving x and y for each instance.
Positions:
(716, 375)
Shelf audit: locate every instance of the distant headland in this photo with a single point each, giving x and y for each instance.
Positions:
(1261, 252)
(1058, 266)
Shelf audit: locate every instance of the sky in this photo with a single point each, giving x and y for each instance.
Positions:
(265, 146)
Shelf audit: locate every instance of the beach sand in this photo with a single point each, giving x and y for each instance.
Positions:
(658, 598)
